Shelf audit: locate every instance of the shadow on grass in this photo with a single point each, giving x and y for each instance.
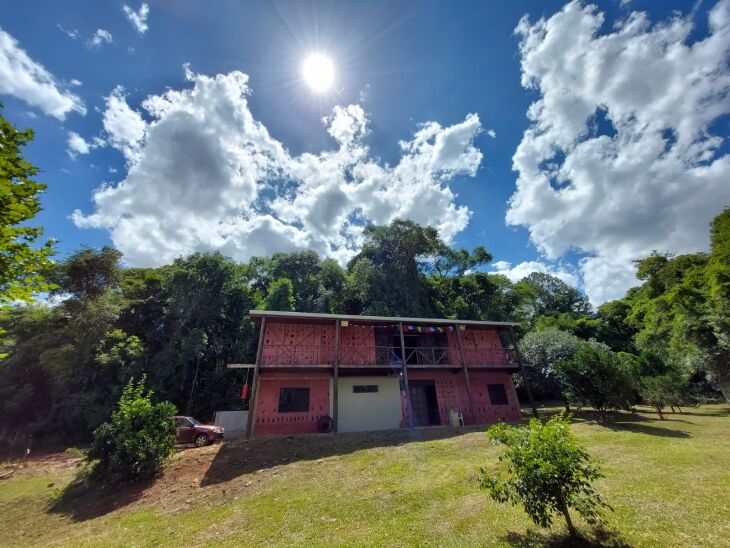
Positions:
(640, 423)
(236, 458)
(85, 498)
(599, 538)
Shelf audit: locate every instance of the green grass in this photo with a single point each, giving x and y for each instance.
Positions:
(667, 481)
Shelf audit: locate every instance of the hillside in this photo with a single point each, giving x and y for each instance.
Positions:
(667, 481)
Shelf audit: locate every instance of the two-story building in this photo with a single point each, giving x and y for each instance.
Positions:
(316, 372)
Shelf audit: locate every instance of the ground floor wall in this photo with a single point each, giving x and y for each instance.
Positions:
(451, 392)
(384, 409)
(270, 419)
(368, 403)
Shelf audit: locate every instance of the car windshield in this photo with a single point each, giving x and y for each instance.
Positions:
(195, 422)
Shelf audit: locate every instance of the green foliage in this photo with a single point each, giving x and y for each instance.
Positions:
(662, 391)
(542, 350)
(22, 262)
(180, 324)
(597, 377)
(280, 296)
(88, 273)
(391, 282)
(138, 439)
(550, 296)
(548, 472)
(681, 311)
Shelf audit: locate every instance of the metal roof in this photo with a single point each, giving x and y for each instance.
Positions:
(257, 314)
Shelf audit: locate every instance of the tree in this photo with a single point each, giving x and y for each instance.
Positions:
(281, 295)
(542, 350)
(138, 439)
(681, 311)
(22, 263)
(397, 256)
(597, 377)
(88, 273)
(548, 472)
(653, 393)
(550, 296)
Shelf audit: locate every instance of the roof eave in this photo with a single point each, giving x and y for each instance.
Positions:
(256, 315)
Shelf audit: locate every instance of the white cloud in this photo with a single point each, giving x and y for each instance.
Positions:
(77, 145)
(124, 127)
(203, 174)
(620, 158)
(100, 38)
(519, 271)
(28, 80)
(71, 33)
(138, 18)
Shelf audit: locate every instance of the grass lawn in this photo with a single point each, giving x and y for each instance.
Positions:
(668, 482)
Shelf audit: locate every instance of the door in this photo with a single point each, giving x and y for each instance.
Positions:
(185, 430)
(424, 403)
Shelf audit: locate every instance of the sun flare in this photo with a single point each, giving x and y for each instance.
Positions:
(318, 72)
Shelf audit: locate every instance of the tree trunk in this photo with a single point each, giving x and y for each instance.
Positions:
(192, 387)
(567, 407)
(659, 410)
(568, 521)
(724, 386)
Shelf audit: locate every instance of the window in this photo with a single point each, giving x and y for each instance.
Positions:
(497, 394)
(293, 400)
(364, 388)
(182, 422)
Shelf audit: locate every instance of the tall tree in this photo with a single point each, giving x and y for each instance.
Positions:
(397, 255)
(550, 296)
(22, 261)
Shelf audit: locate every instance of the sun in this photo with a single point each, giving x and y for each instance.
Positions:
(318, 72)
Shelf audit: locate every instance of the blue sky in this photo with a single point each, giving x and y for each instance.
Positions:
(625, 151)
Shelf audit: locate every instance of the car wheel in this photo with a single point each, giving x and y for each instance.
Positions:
(201, 440)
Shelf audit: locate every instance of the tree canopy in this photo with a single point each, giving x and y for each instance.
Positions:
(23, 257)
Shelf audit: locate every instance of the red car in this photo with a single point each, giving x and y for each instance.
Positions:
(190, 430)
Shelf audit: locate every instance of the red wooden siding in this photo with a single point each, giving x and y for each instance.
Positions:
(270, 421)
(302, 344)
(451, 392)
(357, 345)
(299, 344)
(482, 347)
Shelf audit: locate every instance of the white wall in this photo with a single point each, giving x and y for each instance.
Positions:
(233, 423)
(360, 412)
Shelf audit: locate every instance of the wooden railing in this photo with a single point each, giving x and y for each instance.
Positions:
(385, 356)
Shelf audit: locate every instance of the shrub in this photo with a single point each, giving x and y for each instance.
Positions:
(662, 391)
(138, 439)
(548, 472)
(542, 350)
(597, 377)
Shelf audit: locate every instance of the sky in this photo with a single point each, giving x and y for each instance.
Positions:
(569, 138)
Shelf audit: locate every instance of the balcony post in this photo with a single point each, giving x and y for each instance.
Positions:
(522, 372)
(255, 382)
(466, 371)
(336, 376)
(409, 407)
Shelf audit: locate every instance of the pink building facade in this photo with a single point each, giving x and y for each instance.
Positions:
(322, 372)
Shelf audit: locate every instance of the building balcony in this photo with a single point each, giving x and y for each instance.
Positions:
(297, 355)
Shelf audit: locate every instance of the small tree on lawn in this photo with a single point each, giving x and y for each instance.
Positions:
(548, 472)
(662, 391)
(138, 440)
(597, 377)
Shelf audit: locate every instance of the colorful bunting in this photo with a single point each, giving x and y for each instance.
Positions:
(427, 329)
